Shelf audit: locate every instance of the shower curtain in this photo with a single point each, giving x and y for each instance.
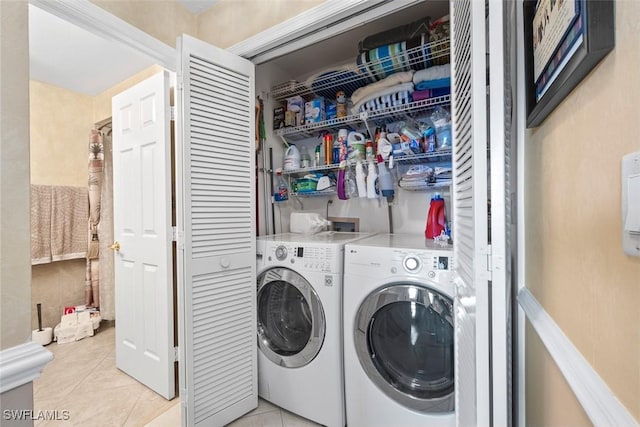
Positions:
(96, 177)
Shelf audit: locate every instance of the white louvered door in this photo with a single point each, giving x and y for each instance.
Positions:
(481, 210)
(471, 303)
(216, 214)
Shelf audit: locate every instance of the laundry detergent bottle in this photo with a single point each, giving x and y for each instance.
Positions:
(435, 218)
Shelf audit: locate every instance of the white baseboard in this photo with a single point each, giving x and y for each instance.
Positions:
(599, 402)
(22, 364)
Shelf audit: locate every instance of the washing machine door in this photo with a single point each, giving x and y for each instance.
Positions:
(291, 322)
(404, 341)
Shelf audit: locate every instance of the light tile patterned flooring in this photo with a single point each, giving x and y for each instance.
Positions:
(83, 379)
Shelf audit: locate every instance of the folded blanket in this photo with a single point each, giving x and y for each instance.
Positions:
(432, 73)
(344, 77)
(394, 79)
(69, 222)
(40, 224)
(408, 87)
(419, 95)
(395, 35)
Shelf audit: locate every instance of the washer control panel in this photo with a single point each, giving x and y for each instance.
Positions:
(422, 263)
(313, 258)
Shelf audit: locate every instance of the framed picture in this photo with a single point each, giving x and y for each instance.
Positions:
(564, 40)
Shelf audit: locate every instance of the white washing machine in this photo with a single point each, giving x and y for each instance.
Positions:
(399, 332)
(300, 365)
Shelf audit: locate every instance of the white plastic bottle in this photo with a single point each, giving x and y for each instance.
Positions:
(360, 180)
(371, 181)
(385, 180)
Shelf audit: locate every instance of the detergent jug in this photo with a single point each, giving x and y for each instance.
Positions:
(435, 218)
(291, 158)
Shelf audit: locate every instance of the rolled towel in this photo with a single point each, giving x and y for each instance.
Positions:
(432, 73)
(408, 87)
(393, 79)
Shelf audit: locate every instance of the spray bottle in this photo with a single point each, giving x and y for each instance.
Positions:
(385, 180)
(282, 191)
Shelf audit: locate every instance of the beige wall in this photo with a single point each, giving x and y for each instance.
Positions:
(163, 19)
(102, 102)
(575, 264)
(60, 121)
(231, 21)
(15, 264)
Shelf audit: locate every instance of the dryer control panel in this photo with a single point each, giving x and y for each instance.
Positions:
(304, 257)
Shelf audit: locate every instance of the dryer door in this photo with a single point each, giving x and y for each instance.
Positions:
(404, 341)
(291, 322)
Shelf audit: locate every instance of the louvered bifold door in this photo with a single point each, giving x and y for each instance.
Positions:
(501, 64)
(469, 113)
(217, 273)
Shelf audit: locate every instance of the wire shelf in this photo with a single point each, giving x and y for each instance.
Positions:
(418, 57)
(423, 186)
(314, 193)
(421, 157)
(386, 115)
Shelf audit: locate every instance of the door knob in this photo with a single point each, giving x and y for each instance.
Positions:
(115, 247)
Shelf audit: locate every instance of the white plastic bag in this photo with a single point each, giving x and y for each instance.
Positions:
(308, 223)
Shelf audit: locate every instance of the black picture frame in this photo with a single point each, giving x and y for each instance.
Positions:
(598, 40)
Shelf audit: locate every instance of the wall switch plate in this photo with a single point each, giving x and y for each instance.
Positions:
(631, 204)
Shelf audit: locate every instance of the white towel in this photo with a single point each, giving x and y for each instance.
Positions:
(385, 91)
(392, 80)
(432, 73)
(69, 222)
(40, 224)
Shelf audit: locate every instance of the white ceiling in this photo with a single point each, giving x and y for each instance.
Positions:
(62, 54)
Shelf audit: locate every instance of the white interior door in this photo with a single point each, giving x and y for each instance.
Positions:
(216, 215)
(142, 228)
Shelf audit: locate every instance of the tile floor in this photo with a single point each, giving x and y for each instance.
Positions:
(82, 379)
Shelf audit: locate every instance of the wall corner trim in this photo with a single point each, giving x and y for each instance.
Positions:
(598, 401)
(22, 364)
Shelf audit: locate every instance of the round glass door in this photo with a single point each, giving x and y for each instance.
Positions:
(404, 340)
(291, 323)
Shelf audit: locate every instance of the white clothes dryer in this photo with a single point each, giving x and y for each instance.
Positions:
(399, 332)
(300, 364)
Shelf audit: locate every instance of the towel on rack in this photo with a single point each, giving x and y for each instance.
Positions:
(393, 79)
(69, 218)
(40, 224)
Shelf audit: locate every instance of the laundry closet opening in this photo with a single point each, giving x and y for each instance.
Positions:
(315, 74)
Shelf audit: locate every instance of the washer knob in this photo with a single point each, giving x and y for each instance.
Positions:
(281, 253)
(411, 264)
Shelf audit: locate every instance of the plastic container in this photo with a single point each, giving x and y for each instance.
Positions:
(442, 123)
(361, 182)
(356, 143)
(305, 158)
(282, 191)
(291, 158)
(436, 223)
(372, 177)
(385, 180)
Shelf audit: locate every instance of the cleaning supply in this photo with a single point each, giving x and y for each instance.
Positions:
(384, 146)
(436, 223)
(372, 177)
(305, 158)
(385, 180)
(361, 183)
(291, 158)
(356, 144)
(316, 157)
(442, 123)
(327, 140)
(282, 191)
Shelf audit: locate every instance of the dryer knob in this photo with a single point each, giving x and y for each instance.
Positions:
(281, 253)
(411, 264)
